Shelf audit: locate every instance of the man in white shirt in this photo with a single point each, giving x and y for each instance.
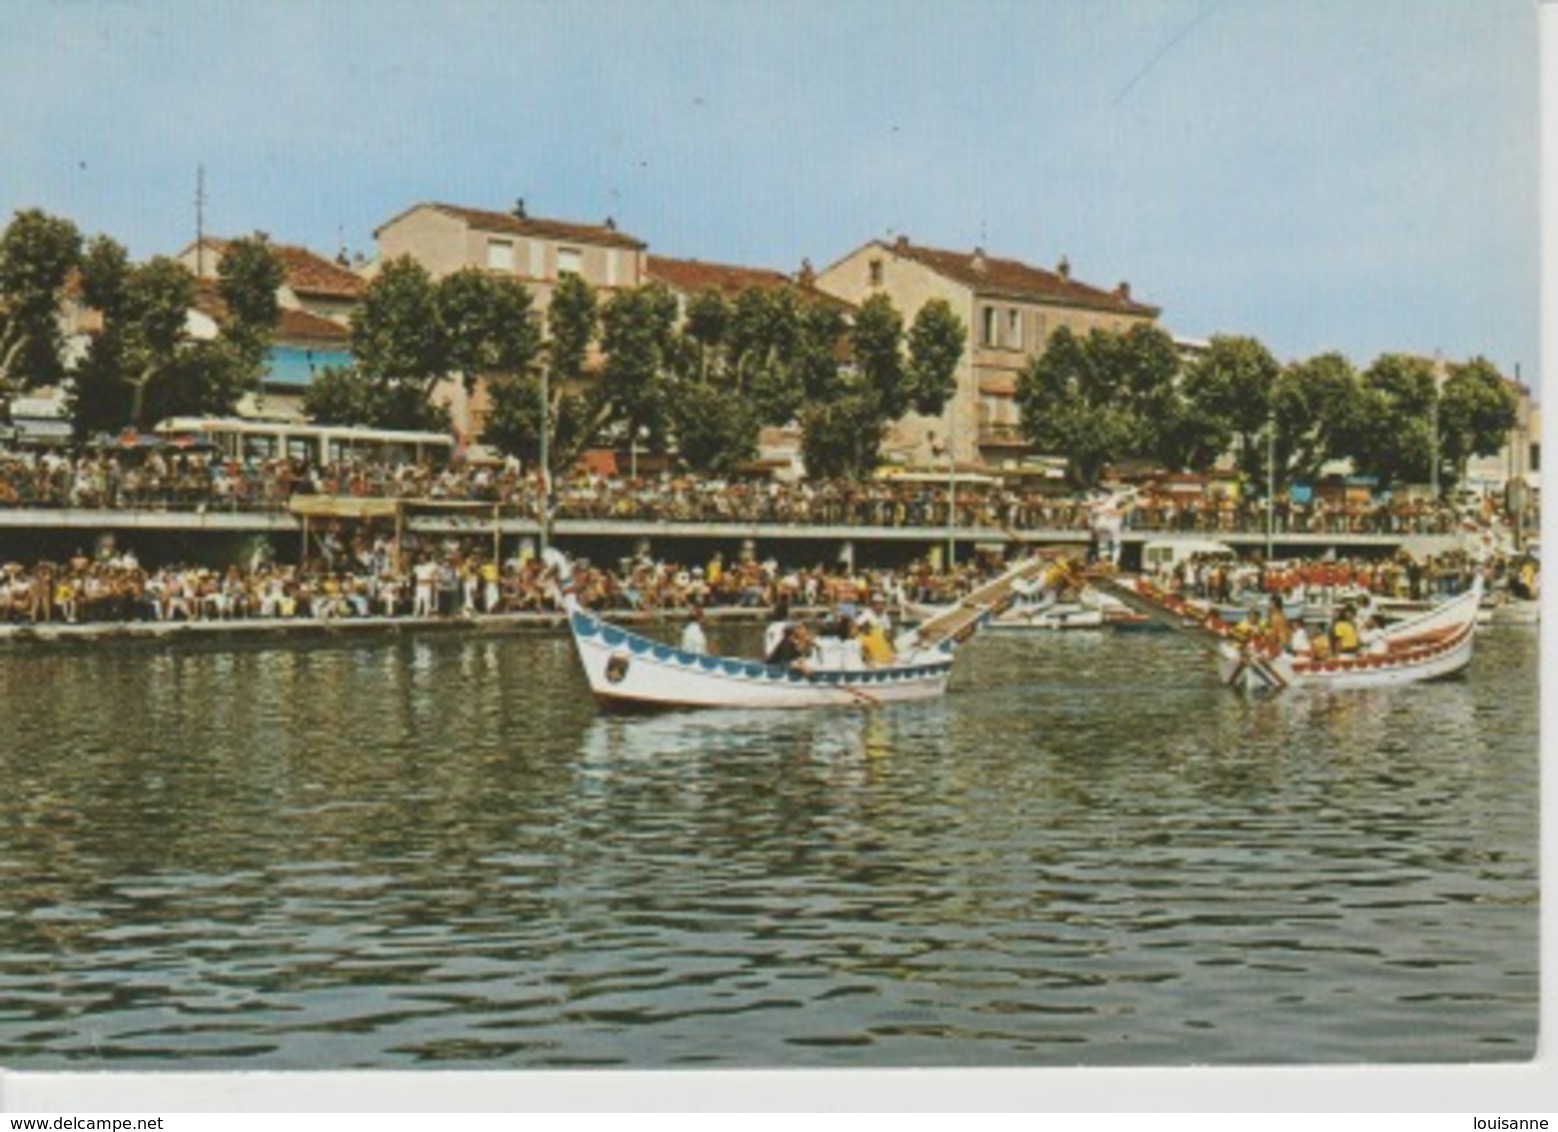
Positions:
(693, 639)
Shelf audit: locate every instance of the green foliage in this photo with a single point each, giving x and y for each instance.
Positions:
(1321, 415)
(1233, 384)
(143, 361)
(340, 395)
(576, 412)
(716, 431)
(411, 332)
(708, 326)
(105, 276)
(936, 340)
(846, 414)
(513, 423)
(37, 252)
(248, 276)
(247, 279)
(486, 324)
(1477, 410)
(1098, 399)
(396, 334)
(344, 395)
(877, 343)
(571, 322)
(1396, 441)
(842, 437)
(639, 339)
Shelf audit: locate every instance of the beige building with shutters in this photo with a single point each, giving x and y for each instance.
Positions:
(446, 238)
(1010, 308)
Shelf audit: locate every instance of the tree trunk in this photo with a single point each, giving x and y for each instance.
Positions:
(13, 351)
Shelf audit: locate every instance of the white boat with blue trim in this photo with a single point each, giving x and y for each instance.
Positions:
(629, 670)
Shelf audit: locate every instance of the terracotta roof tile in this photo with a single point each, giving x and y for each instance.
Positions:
(598, 234)
(291, 326)
(991, 275)
(308, 273)
(691, 276)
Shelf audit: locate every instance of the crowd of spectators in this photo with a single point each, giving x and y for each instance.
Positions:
(1225, 579)
(201, 481)
(360, 573)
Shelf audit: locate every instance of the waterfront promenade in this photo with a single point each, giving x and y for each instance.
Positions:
(197, 494)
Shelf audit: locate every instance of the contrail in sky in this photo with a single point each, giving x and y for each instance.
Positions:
(1166, 48)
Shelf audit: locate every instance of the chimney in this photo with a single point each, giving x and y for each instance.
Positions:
(1063, 268)
(1124, 290)
(901, 244)
(519, 207)
(611, 224)
(977, 260)
(807, 277)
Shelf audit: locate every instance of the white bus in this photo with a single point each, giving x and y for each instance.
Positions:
(248, 440)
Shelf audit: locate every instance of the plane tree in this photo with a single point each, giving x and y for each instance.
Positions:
(37, 254)
(1477, 411)
(1396, 439)
(1321, 414)
(1098, 398)
(576, 409)
(1231, 386)
(893, 371)
(145, 364)
(412, 332)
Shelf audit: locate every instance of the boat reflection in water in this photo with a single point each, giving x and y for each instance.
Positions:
(438, 854)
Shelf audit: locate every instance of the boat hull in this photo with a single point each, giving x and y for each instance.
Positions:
(1431, 646)
(627, 671)
(1245, 671)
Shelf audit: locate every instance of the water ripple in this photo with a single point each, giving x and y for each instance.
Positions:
(435, 853)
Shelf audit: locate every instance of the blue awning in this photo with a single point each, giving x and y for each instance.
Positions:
(297, 366)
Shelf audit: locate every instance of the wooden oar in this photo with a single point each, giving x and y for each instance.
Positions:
(1175, 619)
(991, 598)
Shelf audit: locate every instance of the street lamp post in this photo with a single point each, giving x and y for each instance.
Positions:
(543, 504)
(952, 490)
(1271, 480)
(1433, 427)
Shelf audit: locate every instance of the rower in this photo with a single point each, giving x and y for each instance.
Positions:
(794, 646)
(1278, 630)
(1344, 632)
(874, 648)
(1373, 636)
(779, 624)
(1298, 641)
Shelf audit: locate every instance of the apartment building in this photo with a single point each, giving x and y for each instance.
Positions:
(1010, 309)
(446, 238)
(316, 298)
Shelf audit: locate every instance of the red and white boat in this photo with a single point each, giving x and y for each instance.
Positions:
(1429, 646)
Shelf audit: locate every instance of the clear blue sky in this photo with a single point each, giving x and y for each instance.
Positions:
(1321, 174)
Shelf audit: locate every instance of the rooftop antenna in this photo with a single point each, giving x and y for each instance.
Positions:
(200, 221)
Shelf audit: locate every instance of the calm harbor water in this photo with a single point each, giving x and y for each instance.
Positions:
(433, 852)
